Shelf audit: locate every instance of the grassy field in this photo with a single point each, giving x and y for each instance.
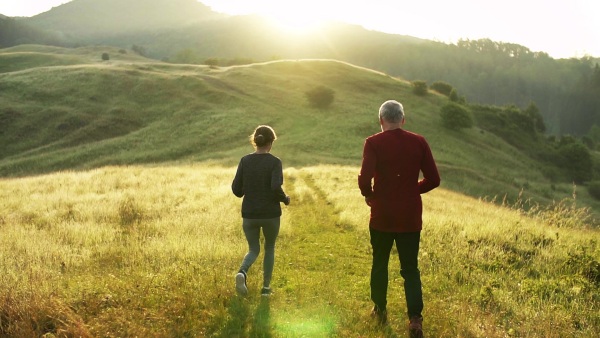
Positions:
(65, 109)
(117, 219)
(151, 251)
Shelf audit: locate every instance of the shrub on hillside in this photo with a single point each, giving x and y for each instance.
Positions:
(593, 189)
(576, 159)
(105, 56)
(212, 62)
(419, 87)
(320, 97)
(589, 142)
(519, 120)
(140, 50)
(533, 112)
(442, 87)
(453, 96)
(455, 116)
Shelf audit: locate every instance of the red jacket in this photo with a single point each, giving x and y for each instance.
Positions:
(394, 159)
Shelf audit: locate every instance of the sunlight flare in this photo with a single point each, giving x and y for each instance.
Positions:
(295, 23)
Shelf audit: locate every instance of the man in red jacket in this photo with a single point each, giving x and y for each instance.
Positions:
(393, 160)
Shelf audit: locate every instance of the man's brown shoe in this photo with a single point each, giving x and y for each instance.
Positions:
(415, 327)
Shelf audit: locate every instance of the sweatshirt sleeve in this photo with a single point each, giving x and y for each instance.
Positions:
(238, 182)
(277, 182)
(367, 170)
(431, 177)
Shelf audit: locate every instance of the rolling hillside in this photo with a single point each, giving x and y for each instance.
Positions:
(116, 203)
(65, 109)
(186, 31)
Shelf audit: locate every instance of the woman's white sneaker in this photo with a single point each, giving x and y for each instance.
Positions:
(240, 283)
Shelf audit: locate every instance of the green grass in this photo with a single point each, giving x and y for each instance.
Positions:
(65, 109)
(116, 216)
(152, 251)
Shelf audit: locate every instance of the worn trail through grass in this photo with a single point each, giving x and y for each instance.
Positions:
(321, 273)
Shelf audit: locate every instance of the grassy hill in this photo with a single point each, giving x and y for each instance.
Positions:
(186, 31)
(67, 109)
(116, 216)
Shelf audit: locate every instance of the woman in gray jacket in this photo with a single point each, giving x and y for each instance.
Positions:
(258, 180)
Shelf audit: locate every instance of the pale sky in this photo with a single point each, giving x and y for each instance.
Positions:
(561, 28)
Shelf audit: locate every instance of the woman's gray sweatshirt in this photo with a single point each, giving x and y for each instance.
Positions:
(258, 179)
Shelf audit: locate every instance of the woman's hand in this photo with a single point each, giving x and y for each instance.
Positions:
(287, 200)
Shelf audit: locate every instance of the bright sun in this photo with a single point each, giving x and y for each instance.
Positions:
(292, 16)
(295, 24)
(295, 20)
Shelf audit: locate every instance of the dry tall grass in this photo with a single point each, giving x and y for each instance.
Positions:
(151, 251)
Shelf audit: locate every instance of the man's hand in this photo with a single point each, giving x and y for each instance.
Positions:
(287, 200)
(369, 200)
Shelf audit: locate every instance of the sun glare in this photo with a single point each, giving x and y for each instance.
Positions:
(296, 19)
(296, 25)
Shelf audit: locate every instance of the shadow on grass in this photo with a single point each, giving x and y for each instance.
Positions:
(241, 323)
(261, 326)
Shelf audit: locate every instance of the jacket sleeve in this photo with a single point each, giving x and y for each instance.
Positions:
(238, 182)
(431, 177)
(367, 170)
(277, 182)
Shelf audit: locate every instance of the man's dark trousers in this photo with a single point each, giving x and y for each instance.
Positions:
(408, 251)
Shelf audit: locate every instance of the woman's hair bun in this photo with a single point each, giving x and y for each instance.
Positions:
(262, 136)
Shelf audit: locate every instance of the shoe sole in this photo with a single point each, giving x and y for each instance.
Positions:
(240, 284)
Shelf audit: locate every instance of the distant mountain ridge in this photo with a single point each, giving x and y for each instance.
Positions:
(92, 18)
(164, 27)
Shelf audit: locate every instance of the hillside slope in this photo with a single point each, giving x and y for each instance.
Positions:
(484, 71)
(81, 112)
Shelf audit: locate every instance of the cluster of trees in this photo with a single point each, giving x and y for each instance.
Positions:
(496, 73)
(565, 158)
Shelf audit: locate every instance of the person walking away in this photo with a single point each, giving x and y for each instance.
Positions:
(393, 160)
(259, 180)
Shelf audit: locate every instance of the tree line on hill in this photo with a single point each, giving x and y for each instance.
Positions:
(567, 91)
(565, 158)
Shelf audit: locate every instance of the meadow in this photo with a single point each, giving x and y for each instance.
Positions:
(151, 251)
(117, 217)
(65, 109)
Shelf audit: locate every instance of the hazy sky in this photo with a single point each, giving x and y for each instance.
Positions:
(562, 28)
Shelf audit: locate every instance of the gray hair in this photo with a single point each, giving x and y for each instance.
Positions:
(391, 111)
